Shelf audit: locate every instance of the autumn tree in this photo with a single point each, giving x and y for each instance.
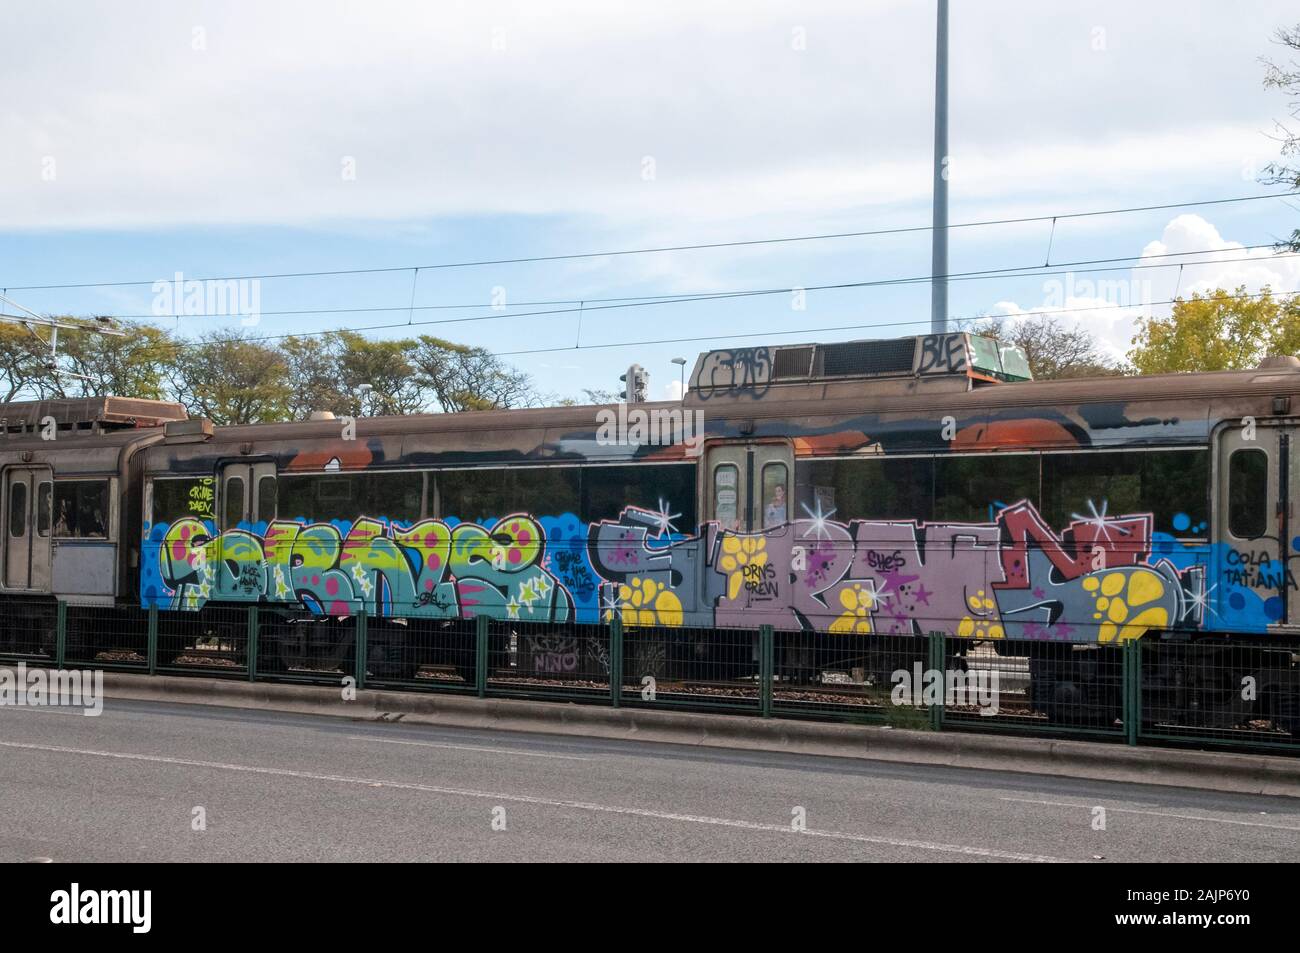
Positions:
(458, 377)
(378, 378)
(103, 365)
(314, 381)
(233, 379)
(26, 368)
(1054, 351)
(229, 379)
(1217, 331)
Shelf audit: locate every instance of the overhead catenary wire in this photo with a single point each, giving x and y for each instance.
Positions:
(1017, 271)
(956, 322)
(734, 335)
(699, 246)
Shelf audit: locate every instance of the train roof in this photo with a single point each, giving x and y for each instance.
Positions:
(81, 415)
(739, 391)
(830, 398)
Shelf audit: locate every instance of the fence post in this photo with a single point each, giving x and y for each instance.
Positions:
(152, 651)
(1132, 689)
(766, 669)
(481, 654)
(359, 648)
(60, 634)
(251, 650)
(938, 661)
(615, 659)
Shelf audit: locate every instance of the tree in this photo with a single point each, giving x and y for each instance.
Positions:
(105, 365)
(1217, 331)
(230, 379)
(1054, 352)
(460, 377)
(314, 382)
(25, 365)
(377, 378)
(1286, 77)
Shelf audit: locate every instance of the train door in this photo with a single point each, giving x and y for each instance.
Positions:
(248, 494)
(247, 498)
(28, 513)
(748, 485)
(1254, 527)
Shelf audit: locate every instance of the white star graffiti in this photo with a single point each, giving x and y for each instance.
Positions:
(819, 519)
(610, 607)
(664, 519)
(1100, 521)
(1201, 601)
(877, 595)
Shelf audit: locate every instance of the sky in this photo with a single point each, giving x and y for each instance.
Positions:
(146, 140)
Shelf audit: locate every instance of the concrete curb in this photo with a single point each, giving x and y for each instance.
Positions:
(1208, 770)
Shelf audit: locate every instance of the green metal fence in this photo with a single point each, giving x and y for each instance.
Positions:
(1242, 694)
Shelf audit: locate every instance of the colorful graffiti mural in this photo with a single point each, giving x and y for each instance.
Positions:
(429, 570)
(1012, 578)
(1101, 578)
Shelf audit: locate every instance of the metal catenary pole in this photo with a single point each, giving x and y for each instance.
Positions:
(939, 235)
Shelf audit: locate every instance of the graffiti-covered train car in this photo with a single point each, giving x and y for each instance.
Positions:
(848, 490)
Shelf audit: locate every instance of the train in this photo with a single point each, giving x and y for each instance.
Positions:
(844, 494)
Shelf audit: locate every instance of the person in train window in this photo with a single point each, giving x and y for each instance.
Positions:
(63, 522)
(774, 512)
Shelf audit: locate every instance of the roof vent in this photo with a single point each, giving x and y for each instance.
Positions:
(792, 363)
(194, 430)
(1280, 362)
(321, 415)
(868, 357)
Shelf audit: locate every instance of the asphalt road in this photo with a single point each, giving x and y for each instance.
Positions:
(275, 787)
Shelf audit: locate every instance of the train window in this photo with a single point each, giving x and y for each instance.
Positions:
(775, 509)
(546, 491)
(726, 494)
(320, 498)
(475, 496)
(1248, 493)
(971, 489)
(17, 510)
(266, 499)
(234, 506)
(81, 509)
(607, 491)
(296, 498)
(174, 499)
(44, 494)
(868, 489)
(1171, 485)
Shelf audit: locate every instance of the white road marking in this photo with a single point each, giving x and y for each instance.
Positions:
(547, 802)
(1181, 817)
(434, 744)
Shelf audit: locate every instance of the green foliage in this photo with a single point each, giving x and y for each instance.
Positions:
(235, 378)
(230, 379)
(1054, 351)
(1218, 331)
(101, 365)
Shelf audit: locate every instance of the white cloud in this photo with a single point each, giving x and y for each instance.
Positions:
(1110, 306)
(517, 108)
(1229, 266)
